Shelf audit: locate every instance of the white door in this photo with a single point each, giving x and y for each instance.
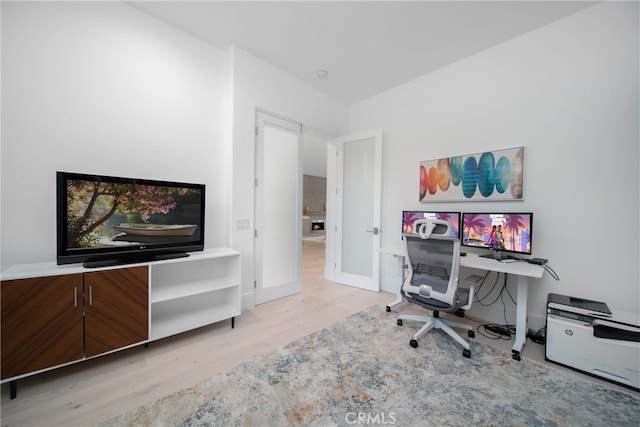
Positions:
(278, 204)
(359, 183)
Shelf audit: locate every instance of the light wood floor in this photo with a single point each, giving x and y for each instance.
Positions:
(93, 391)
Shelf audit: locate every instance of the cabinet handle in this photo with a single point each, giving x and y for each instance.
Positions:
(90, 296)
(75, 297)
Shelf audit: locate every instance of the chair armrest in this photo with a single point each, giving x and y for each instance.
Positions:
(472, 290)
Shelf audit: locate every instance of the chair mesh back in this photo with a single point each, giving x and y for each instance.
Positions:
(431, 263)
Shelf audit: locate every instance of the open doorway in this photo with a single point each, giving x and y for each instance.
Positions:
(351, 229)
(290, 249)
(314, 204)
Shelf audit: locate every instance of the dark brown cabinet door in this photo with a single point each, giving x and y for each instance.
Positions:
(41, 323)
(116, 309)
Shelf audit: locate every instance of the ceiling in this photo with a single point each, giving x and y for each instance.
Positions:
(367, 47)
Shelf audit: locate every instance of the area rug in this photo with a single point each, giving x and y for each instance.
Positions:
(362, 371)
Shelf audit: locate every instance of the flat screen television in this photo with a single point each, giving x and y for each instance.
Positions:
(105, 220)
(503, 233)
(410, 217)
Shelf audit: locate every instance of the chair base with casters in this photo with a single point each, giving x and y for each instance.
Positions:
(435, 322)
(464, 297)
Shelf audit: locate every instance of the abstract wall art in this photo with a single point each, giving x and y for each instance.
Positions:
(491, 175)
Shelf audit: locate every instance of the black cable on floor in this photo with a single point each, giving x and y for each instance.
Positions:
(493, 331)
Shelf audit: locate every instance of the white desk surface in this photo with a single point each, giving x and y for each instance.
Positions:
(472, 260)
(521, 268)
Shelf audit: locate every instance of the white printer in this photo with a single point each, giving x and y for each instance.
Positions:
(586, 336)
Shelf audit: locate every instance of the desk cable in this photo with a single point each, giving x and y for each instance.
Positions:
(496, 331)
(480, 300)
(542, 264)
(551, 272)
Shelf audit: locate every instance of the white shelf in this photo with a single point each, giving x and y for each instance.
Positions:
(196, 277)
(175, 316)
(190, 289)
(200, 290)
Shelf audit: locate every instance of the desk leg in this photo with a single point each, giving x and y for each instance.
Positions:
(399, 297)
(521, 317)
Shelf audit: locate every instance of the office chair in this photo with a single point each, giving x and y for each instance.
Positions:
(433, 262)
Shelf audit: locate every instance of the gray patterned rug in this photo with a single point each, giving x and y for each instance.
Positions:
(361, 371)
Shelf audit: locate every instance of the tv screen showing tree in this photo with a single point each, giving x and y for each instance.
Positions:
(103, 213)
(107, 214)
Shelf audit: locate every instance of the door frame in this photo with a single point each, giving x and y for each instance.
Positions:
(264, 294)
(334, 205)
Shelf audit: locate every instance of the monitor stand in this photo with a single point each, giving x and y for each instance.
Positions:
(133, 258)
(499, 255)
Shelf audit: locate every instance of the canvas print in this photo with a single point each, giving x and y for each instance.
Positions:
(492, 175)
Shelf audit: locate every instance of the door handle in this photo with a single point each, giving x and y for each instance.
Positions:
(375, 231)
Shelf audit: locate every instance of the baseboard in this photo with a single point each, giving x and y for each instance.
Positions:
(247, 301)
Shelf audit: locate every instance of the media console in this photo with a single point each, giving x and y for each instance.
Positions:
(58, 315)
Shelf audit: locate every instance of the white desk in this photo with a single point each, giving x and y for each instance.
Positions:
(524, 272)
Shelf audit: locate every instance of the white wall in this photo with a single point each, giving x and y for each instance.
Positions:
(257, 84)
(314, 155)
(568, 92)
(99, 87)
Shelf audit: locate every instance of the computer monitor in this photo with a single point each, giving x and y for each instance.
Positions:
(501, 232)
(410, 217)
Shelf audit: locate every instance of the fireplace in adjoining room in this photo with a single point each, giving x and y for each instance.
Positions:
(314, 205)
(313, 225)
(317, 225)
